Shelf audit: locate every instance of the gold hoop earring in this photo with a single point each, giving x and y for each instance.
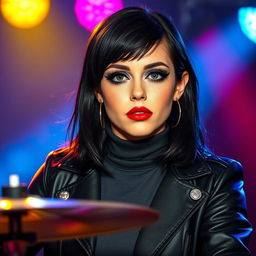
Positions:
(101, 121)
(178, 121)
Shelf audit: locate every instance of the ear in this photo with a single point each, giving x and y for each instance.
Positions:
(180, 86)
(98, 95)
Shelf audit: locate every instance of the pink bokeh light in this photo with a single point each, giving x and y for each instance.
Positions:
(90, 13)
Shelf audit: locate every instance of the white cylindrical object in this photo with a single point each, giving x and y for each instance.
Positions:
(14, 180)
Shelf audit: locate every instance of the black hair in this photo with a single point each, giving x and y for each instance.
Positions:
(129, 34)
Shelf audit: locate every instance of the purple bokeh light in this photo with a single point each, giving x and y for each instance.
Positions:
(91, 12)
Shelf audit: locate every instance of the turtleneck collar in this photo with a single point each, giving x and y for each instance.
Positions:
(140, 154)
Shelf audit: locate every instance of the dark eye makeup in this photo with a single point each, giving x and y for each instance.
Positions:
(116, 77)
(157, 75)
(154, 75)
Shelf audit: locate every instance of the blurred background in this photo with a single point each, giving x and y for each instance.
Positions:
(42, 46)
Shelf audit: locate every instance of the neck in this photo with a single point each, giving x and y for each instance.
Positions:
(135, 154)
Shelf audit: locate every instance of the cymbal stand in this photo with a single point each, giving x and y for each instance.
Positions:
(15, 242)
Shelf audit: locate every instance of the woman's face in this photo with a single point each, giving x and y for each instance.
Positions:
(138, 94)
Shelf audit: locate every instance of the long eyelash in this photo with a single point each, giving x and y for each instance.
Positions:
(163, 73)
(159, 71)
(110, 76)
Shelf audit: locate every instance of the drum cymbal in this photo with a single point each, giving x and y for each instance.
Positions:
(54, 219)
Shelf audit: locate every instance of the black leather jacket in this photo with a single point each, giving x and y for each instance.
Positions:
(202, 208)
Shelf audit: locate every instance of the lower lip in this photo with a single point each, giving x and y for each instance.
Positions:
(140, 117)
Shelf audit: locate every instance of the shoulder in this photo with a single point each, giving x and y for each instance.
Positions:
(220, 161)
(55, 172)
(219, 177)
(57, 161)
(222, 166)
(62, 157)
(225, 174)
(210, 165)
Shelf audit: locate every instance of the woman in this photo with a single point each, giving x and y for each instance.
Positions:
(139, 141)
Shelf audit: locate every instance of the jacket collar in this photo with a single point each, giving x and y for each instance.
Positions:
(196, 170)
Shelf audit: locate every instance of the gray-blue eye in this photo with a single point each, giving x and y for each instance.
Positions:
(157, 75)
(117, 77)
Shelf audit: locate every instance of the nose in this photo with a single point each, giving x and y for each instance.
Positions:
(138, 92)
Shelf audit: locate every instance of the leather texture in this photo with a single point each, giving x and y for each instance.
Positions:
(209, 221)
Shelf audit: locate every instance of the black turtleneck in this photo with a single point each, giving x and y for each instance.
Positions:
(135, 174)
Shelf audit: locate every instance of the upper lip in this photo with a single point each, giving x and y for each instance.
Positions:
(138, 109)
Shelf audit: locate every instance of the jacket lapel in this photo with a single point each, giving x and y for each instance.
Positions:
(173, 202)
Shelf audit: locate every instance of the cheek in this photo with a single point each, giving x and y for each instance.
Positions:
(164, 98)
(167, 94)
(112, 100)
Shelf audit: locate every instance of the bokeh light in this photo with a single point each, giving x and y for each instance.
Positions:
(35, 202)
(5, 204)
(91, 12)
(247, 21)
(25, 13)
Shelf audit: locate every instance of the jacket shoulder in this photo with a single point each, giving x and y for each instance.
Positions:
(58, 167)
(223, 168)
(208, 164)
(62, 157)
(216, 162)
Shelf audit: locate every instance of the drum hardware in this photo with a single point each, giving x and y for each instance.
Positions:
(23, 219)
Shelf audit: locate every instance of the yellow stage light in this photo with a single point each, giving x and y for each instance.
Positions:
(25, 13)
(5, 204)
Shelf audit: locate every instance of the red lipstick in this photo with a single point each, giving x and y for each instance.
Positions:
(139, 113)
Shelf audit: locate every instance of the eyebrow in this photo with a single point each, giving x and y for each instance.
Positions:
(151, 65)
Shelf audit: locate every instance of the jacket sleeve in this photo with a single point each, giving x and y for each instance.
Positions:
(225, 230)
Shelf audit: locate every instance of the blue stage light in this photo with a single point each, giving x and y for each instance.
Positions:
(247, 21)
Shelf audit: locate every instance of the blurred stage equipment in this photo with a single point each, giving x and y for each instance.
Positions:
(196, 16)
(90, 13)
(23, 220)
(25, 13)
